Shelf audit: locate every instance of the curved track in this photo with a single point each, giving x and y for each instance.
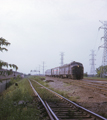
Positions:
(60, 108)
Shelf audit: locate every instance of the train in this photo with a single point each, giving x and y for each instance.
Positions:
(73, 70)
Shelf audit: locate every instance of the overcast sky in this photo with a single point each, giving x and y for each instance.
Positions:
(39, 30)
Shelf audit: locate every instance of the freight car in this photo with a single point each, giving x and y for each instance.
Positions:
(72, 70)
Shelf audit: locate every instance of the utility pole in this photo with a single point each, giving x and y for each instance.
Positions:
(35, 72)
(43, 67)
(30, 71)
(39, 69)
(104, 59)
(62, 54)
(92, 71)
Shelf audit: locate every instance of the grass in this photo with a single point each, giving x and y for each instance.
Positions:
(44, 94)
(37, 78)
(74, 98)
(10, 109)
(40, 80)
(66, 83)
(63, 93)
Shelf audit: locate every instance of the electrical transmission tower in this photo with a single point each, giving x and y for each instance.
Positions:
(104, 59)
(62, 54)
(43, 67)
(92, 71)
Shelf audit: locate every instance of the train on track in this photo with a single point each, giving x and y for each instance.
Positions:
(73, 70)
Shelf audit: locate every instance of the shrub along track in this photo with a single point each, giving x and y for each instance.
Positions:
(62, 107)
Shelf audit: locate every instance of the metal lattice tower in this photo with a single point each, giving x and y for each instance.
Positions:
(62, 54)
(92, 71)
(104, 59)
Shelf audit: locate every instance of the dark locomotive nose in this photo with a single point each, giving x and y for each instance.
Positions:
(77, 72)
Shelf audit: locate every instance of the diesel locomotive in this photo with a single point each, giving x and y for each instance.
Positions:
(73, 70)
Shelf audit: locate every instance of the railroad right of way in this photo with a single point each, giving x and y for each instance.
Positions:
(59, 107)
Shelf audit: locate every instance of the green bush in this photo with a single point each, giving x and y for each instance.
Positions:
(13, 81)
(17, 103)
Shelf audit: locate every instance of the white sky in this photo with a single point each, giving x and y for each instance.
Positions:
(39, 30)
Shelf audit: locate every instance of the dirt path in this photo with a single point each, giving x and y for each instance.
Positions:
(87, 98)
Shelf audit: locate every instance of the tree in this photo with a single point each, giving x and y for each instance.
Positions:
(85, 74)
(100, 69)
(4, 42)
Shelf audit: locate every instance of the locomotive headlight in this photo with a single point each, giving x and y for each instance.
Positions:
(78, 65)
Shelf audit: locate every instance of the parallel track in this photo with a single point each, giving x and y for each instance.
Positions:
(64, 109)
(94, 86)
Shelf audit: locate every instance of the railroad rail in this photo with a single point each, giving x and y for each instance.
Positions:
(95, 86)
(94, 79)
(64, 109)
(51, 115)
(98, 87)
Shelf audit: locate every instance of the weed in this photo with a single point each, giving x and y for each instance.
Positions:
(74, 99)
(45, 94)
(10, 109)
(77, 97)
(63, 93)
(42, 78)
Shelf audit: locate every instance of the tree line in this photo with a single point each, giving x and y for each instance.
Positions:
(101, 71)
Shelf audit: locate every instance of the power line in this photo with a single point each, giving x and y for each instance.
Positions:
(96, 40)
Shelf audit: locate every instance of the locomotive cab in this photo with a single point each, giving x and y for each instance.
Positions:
(77, 71)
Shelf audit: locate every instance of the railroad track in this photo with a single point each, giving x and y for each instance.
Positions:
(60, 108)
(94, 86)
(98, 87)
